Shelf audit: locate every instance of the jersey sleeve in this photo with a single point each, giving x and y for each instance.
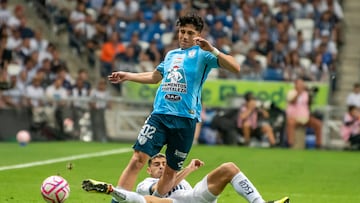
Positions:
(160, 68)
(144, 187)
(212, 60)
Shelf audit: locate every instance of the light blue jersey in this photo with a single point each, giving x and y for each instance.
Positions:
(184, 72)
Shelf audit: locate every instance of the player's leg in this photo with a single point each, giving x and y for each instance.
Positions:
(179, 142)
(153, 199)
(128, 176)
(166, 181)
(149, 142)
(120, 195)
(230, 173)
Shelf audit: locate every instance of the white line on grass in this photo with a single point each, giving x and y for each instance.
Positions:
(68, 158)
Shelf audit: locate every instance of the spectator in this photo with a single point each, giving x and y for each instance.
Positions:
(153, 52)
(319, 70)
(265, 15)
(353, 99)
(145, 63)
(244, 45)
(102, 21)
(34, 95)
(79, 94)
(5, 13)
(263, 46)
(24, 29)
(109, 50)
(127, 10)
(251, 68)
(99, 104)
(252, 121)
(56, 96)
(168, 12)
(298, 113)
(77, 16)
(303, 9)
(300, 45)
(127, 61)
(13, 97)
(57, 63)
(38, 42)
(285, 13)
(14, 20)
(84, 75)
(67, 81)
(135, 44)
(295, 70)
(325, 39)
(350, 130)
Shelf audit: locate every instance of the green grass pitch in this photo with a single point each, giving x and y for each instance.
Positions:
(306, 176)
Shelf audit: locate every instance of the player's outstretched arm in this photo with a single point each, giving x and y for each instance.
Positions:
(181, 175)
(145, 77)
(193, 166)
(225, 61)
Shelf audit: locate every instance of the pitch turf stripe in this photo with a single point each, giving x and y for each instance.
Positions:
(68, 158)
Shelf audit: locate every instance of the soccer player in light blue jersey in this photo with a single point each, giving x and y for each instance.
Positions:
(177, 103)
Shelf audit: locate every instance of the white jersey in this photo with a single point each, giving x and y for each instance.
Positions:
(182, 193)
(144, 188)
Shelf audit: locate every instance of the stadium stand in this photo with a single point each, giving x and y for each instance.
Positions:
(84, 25)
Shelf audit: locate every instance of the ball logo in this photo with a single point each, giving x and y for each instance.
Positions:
(55, 189)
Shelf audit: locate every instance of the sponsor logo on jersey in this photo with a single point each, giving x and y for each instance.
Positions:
(175, 80)
(192, 53)
(172, 97)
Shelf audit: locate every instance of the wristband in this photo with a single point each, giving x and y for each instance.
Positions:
(215, 52)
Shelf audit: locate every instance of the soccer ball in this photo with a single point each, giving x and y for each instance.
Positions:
(23, 137)
(55, 189)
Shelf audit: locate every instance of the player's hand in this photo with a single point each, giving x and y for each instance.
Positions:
(203, 43)
(195, 164)
(117, 77)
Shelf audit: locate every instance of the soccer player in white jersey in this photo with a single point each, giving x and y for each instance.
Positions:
(205, 191)
(177, 103)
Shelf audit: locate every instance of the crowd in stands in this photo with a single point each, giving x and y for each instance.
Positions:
(277, 40)
(33, 74)
(272, 39)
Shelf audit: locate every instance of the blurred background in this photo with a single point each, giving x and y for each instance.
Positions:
(56, 55)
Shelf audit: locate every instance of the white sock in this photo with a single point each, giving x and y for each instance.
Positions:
(245, 188)
(125, 196)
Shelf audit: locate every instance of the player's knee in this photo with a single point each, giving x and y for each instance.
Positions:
(138, 161)
(230, 169)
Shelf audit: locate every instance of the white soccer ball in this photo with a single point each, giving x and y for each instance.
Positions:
(55, 189)
(23, 137)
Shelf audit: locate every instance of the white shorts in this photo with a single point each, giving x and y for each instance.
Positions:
(200, 194)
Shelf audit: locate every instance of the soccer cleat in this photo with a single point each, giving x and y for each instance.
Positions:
(90, 185)
(283, 200)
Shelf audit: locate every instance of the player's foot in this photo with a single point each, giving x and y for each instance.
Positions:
(283, 200)
(90, 185)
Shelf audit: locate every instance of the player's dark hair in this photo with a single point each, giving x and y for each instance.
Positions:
(193, 19)
(159, 155)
